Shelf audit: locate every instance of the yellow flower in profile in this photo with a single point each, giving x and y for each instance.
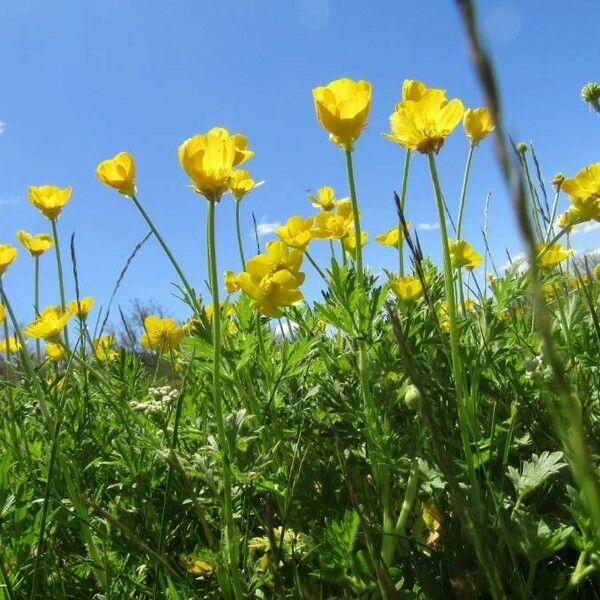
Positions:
(333, 225)
(231, 284)
(325, 198)
(463, 255)
(104, 348)
(8, 254)
(391, 236)
(552, 255)
(406, 288)
(118, 172)
(478, 124)
(296, 232)
(349, 242)
(36, 244)
(163, 335)
(48, 325)
(272, 279)
(55, 352)
(242, 154)
(240, 183)
(342, 109)
(82, 307)
(424, 123)
(10, 344)
(209, 160)
(49, 199)
(2, 314)
(585, 184)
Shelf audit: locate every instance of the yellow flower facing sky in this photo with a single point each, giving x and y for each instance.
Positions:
(424, 123)
(296, 232)
(48, 325)
(118, 172)
(162, 335)
(407, 288)
(209, 158)
(391, 237)
(333, 225)
(343, 109)
(478, 124)
(83, 307)
(8, 254)
(325, 198)
(49, 199)
(462, 254)
(36, 244)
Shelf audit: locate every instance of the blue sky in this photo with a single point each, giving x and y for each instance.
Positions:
(84, 80)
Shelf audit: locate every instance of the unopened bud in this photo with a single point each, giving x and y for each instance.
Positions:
(590, 92)
(521, 148)
(558, 179)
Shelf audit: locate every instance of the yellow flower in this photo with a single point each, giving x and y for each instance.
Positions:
(49, 199)
(349, 242)
(2, 313)
(36, 244)
(325, 198)
(209, 311)
(195, 566)
(333, 225)
(597, 271)
(8, 254)
(463, 255)
(82, 307)
(565, 221)
(342, 109)
(407, 288)
(424, 123)
(55, 352)
(118, 172)
(391, 236)
(103, 348)
(578, 282)
(231, 284)
(242, 154)
(240, 183)
(10, 344)
(412, 90)
(550, 256)
(478, 124)
(296, 232)
(161, 334)
(49, 324)
(208, 160)
(585, 184)
(272, 280)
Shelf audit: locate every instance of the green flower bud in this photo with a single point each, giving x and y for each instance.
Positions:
(521, 148)
(412, 397)
(590, 92)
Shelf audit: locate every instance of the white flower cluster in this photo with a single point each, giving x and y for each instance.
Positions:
(161, 397)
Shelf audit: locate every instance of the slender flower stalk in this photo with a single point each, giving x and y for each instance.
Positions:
(161, 241)
(230, 535)
(357, 234)
(59, 269)
(402, 203)
(238, 232)
(36, 302)
(463, 192)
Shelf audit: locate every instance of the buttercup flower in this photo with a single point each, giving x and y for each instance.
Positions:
(565, 220)
(231, 284)
(240, 183)
(36, 244)
(349, 242)
(478, 124)
(406, 288)
(242, 154)
(8, 254)
(333, 225)
(584, 192)
(552, 255)
(463, 255)
(342, 109)
(296, 232)
(325, 198)
(209, 160)
(103, 348)
(391, 236)
(209, 311)
(49, 199)
(55, 352)
(118, 173)
(82, 307)
(10, 344)
(424, 123)
(48, 325)
(161, 334)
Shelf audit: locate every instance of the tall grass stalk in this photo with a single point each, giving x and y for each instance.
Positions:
(59, 269)
(403, 187)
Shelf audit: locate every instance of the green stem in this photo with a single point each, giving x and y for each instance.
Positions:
(552, 216)
(161, 241)
(61, 283)
(230, 535)
(239, 235)
(403, 187)
(463, 192)
(357, 235)
(532, 199)
(36, 302)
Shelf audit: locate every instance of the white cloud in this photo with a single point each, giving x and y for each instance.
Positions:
(9, 200)
(428, 226)
(2, 126)
(265, 228)
(516, 259)
(586, 227)
(285, 328)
